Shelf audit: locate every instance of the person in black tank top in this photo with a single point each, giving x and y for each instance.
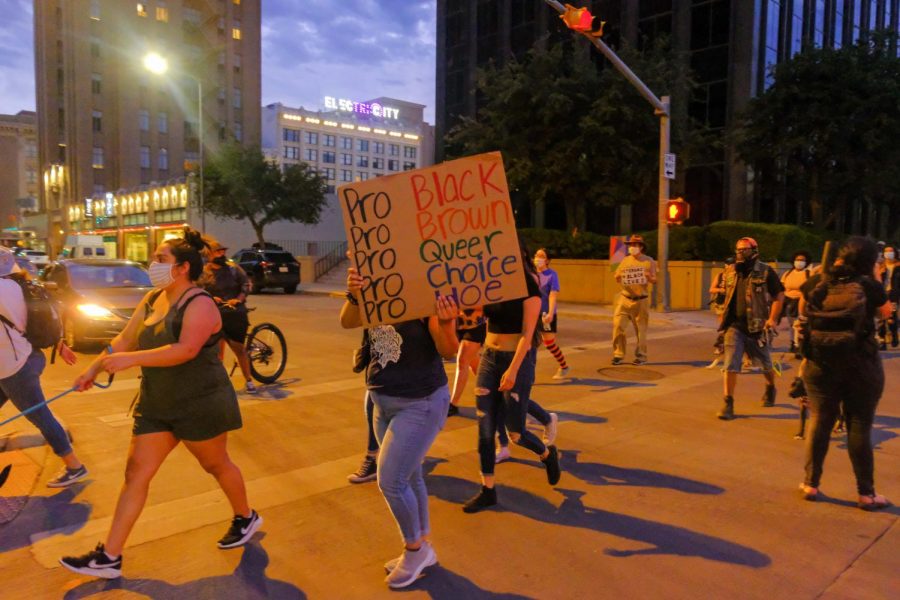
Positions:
(186, 397)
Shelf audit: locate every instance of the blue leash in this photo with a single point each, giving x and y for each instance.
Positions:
(56, 397)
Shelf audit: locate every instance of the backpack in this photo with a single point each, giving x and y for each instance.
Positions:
(837, 319)
(43, 327)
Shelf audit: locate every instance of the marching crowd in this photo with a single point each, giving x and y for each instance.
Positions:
(840, 316)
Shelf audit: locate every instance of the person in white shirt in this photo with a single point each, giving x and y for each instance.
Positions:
(636, 273)
(792, 280)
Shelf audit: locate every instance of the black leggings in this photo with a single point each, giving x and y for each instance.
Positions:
(857, 384)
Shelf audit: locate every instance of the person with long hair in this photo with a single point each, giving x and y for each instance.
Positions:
(186, 398)
(843, 366)
(549, 283)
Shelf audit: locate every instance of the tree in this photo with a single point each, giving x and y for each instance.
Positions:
(825, 131)
(240, 183)
(574, 133)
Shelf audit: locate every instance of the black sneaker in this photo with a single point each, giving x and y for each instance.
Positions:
(552, 465)
(485, 498)
(617, 360)
(452, 410)
(241, 530)
(726, 413)
(67, 477)
(94, 563)
(367, 471)
(768, 399)
(639, 361)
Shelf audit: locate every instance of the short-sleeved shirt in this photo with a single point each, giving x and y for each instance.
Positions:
(404, 360)
(635, 273)
(737, 308)
(14, 348)
(549, 282)
(875, 294)
(470, 318)
(226, 282)
(793, 279)
(506, 317)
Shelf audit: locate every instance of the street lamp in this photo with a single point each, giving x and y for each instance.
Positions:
(159, 65)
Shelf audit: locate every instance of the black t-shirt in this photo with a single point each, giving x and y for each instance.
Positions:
(875, 294)
(737, 308)
(506, 317)
(405, 362)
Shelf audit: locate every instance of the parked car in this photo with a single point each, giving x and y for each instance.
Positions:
(268, 268)
(26, 265)
(38, 258)
(96, 297)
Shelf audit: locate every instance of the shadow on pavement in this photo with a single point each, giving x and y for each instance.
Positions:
(601, 474)
(271, 391)
(442, 584)
(664, 539)
(46, 513)
(606, 384)
(679, 363)
(248, 582)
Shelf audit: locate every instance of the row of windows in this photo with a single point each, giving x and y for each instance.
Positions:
(162, 124)
(347, 175)
(162, 158)
(328, 157)
(329, 140)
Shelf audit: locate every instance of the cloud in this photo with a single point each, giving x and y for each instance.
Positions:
(16, 57)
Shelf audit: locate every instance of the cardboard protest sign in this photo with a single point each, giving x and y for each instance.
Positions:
(633, 275)
(445, 230)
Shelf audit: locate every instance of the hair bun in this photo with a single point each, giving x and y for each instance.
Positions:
(195, 239)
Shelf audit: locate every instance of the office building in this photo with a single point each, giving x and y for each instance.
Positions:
(19, 175)
(108, 125)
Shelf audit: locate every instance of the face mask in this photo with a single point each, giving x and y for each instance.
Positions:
(889, 255)
(221, 260)
(540, 262)
(744, 255)
(160, 274)
(799, 264)
(634, 250)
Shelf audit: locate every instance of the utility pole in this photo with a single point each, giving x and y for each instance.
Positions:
(662, 109)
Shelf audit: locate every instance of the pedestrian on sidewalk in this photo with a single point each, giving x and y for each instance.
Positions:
(21, 366)
(750, 287)
(549, 284)
(891, 281)
(792, 280)
(843, 365)
(471, 329)
(503, 387)
(406, 380)
(185, 397)
(717, 302)
(636, 273)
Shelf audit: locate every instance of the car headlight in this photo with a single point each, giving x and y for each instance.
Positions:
(95, 311)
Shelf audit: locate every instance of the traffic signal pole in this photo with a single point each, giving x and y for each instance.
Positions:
(662, 110)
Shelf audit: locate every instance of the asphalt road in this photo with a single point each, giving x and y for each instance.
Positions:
(657, 499)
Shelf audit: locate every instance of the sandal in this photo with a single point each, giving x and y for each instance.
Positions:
(808, 493)
(873, 502)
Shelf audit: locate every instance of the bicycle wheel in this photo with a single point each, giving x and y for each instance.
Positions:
(267, 352)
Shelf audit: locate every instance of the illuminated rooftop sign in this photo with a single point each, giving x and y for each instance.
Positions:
(362, 108)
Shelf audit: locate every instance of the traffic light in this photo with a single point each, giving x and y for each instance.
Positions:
(581, 19)
(677, 211)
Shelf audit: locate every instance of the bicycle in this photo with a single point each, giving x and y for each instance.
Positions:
(267, 352)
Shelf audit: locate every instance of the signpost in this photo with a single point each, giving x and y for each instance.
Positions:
(669, 167)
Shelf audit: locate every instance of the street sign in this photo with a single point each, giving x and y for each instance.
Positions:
(669, 167)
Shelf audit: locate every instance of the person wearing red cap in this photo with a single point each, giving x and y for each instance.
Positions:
(636, 273)
(750, 287)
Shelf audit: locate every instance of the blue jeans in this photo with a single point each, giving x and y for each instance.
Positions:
(534, 409)
(24, 389)
(406, 428)
(510, 406)
(370, 417)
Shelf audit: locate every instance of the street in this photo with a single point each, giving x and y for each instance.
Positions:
(658, 498)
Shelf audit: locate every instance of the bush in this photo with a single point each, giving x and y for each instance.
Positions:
(776, 242)
(561, 244)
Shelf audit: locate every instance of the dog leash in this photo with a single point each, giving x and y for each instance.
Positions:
(53, 399)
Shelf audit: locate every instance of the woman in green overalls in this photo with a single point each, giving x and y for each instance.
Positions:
(186, 397)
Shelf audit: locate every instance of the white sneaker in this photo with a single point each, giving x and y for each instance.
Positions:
(392, 564)
(410, 566)
(550, 429)
(561, 373)
(250, 388)
(502, 455)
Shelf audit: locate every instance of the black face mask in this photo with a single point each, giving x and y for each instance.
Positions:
(221, 260)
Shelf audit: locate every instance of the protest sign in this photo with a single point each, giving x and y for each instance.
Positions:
(445, 230)
(633, 276)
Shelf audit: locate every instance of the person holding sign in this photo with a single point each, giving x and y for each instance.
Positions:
(636, 273)
(408, 385)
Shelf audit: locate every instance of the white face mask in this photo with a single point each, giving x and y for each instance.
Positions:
(634, 250)
(540, 262)
(889, 255)
(799, 264)
(161, 274)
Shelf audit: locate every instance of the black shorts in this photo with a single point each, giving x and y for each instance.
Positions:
(235, 324)
(552, 329)
(475, 334)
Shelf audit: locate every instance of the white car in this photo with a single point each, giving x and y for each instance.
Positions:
(37, 257)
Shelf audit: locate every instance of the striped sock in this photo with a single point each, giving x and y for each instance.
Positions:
(557, 354)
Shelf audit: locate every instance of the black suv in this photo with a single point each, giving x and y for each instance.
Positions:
(269, 267)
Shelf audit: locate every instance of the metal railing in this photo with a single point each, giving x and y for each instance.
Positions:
(331, 258)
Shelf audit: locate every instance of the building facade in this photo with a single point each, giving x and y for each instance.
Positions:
(731, 45)
(19, 180)
(107, 124)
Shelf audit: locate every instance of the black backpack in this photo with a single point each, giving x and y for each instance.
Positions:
(43, 327)
(838, 322)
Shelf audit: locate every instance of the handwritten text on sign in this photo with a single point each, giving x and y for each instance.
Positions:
(634, 276)
(444, 230)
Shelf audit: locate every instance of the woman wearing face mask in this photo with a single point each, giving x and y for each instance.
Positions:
(229, 285)
(792, 280)
(185, 397)
(549, 282)
(891, 280)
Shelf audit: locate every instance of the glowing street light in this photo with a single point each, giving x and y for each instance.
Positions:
(156, 64)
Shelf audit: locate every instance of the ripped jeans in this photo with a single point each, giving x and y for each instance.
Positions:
(511, 406)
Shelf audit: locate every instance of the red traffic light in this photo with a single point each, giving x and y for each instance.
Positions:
(677, 211)
(581, 19)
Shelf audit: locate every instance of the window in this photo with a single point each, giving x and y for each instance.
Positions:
(362, 145)
(95, 83)
(394, 150)
(162, 12)
(310, 137)
(328, 140)
(163, 159)
(377, 163)
(393, 165)
(362, 161)
(409, 152)
(162, 122)
(235, 33)
(237, 64)
(346, 175)
(141, 9)
(145, 157)
(328, 157)
(379, 147)
(291, 135)
(346, 159)
(144, 120)
(362, 176)
(312, 155)
(61, 118)
(95, 10)
(292, 152)
(97, 158)
(328, 174)
(347, 143)
(236, 97)
(97, 121)
(95, 47)
(191, 15)
(31, 150)
(31, 176)
(409, 166)
(238, 131)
